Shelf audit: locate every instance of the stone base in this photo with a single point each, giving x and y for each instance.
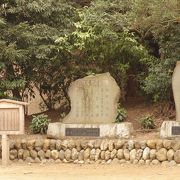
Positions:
(170, 129)
(119, 130)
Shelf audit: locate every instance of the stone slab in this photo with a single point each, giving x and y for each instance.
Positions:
(119, 130)
(170, 129)
(94, 99)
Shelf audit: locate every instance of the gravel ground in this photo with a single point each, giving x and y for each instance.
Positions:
(24, 171)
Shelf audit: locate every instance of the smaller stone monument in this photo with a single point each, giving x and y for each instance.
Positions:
(171, 129)
(94, 101)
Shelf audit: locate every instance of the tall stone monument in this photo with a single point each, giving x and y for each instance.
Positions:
(94, 101)
(171, 129)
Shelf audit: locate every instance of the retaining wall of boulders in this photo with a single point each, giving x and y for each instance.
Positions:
(148, 152)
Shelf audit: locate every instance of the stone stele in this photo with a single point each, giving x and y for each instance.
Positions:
(94, 99)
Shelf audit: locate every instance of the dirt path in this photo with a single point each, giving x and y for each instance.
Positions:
(87, 172)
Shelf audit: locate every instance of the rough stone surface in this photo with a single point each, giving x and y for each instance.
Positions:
(159, 144)
(130, 144)
(107, 155)
(92, 154)
(54, 154)
(143, 144)
(155, 162)
(104, 145)
(61, 154)
(146, 153)
(151, 144)
(113, 153)
(46, 144)
(33, 154)
(139, 154)
(24, 144)
(41, 154)
(74, 154)
(152, 154)
(68, 154)
(167, 144)
(175, 145)
(71, 144)
(97, 155)
(132, 155)
(98, 151)
(52, 144)
(58, 145)
(25, 154)
(87, 154)
(86, 94)
(30, 144)
(161, 154)
(119, 144)
(177, 156)
(102, 155)
(18, 144)
(14, 153)
(120, 154)
(111, 145)
(47, 154)
(126, 154)
(170, 154)
(141, 162)
(91, 144)
(38, 144)
(172, 163)
(81, 155)
(20, 153)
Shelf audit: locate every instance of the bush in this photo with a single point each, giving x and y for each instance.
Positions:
(121, 114)
(147, 122)
(40, 124)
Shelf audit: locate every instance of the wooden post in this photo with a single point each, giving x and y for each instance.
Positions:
(5, 150)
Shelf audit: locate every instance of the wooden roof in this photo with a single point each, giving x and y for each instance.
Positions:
(13, 102)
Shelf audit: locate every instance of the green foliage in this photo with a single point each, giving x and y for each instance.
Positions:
(39, 124)
(104, 43)
(147, 122)
(50, 43)
(158, 22)
(121, 114)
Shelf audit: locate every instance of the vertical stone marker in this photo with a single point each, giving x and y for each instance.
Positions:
(171, 129)
(11, 122)
(93, 100)
(93, 112)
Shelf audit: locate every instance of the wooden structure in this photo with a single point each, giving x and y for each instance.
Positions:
(11, 122)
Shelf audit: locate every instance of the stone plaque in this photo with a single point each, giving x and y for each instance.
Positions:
(82, 132)
(175, 130)
(93, 100)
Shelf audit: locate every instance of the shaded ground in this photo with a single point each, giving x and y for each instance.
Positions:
(88, 172)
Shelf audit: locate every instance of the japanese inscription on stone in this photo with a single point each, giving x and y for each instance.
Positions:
(93, 100)
(82, 132)
(175, 130)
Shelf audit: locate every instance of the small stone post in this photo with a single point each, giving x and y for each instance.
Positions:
(5, 150)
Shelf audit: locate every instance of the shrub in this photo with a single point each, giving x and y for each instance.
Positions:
(121, 114)
(147, 122)
(40, 124)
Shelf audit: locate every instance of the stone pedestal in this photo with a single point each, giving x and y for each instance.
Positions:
(119, 130)
(170, 129)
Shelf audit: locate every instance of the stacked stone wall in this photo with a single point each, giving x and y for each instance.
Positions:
(149, 152)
